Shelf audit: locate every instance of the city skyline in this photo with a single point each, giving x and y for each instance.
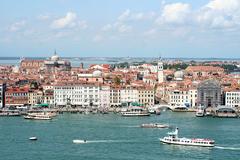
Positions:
(172, 28)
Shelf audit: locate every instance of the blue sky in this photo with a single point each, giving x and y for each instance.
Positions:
(135, 28)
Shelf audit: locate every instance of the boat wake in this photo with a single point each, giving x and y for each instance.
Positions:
(100, 141)
(227, 148)
(108, 141)
(130, 126)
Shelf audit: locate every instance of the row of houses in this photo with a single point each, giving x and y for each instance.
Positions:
(78, 95)
(102, 95)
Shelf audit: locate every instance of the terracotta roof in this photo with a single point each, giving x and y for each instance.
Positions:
(204, 69)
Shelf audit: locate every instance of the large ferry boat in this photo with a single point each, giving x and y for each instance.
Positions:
(135, 111)
(38, 116)
(173, 138)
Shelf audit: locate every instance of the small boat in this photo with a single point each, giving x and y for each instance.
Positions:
(180, 109)
(154, 125)
(33, 138)
(79, 141)
(199, 112)
(208, 113)
(158, 112)
(173, 138)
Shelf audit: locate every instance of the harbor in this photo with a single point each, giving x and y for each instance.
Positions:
(111, 136)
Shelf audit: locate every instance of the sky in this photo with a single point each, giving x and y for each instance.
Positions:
(120, 28)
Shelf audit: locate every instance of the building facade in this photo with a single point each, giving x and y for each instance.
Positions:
(2, 95)
(79, 95)
(183, 97)
(232, 99)
(104, 97)
(115, 97)
(128, 95)
(16, 97)
(146, 96)
(209, 93)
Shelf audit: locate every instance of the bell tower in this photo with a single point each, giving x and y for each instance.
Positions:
(160, 71)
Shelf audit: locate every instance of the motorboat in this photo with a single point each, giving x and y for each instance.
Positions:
(33, 138)
(135, 111)
(173, 138)
(199, 112)
(79, 141)
(154, 125)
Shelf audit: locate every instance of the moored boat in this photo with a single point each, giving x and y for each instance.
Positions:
(38, 116)
(200, 112)
(135, 111)
(10, 113)
(173, 138)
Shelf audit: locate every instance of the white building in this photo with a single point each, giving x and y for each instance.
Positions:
(183, 97)
(77, 95)
(146, 96)
(232, 98)
(104, 96)
(129, 94)
(152, 68)
(115, 97)
(2, 95)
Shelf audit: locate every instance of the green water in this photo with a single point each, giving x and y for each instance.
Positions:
(114, 137)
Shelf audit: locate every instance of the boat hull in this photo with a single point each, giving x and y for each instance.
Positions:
(186, 144)
(79, 141)
(135, 115)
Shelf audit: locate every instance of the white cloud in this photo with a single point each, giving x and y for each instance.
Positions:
(216, 14)
(175, 13)
(125, 15)
(220, 14)
(228, 6)
(17, 26)
(67, 21)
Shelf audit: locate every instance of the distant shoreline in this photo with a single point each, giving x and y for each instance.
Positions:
(125, 58)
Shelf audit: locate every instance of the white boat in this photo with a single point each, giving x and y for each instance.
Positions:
(38, 117)
(33, 138)
(79, 141)
(154, 125)
(199, 112)
(173, 138)
(42, 117)
(135, 111)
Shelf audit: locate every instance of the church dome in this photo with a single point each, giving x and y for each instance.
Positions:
(179, 75)
(97, 73)
(55, 57)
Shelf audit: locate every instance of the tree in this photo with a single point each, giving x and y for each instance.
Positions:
(117, 80)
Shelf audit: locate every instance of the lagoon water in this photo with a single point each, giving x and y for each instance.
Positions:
(112, 137)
